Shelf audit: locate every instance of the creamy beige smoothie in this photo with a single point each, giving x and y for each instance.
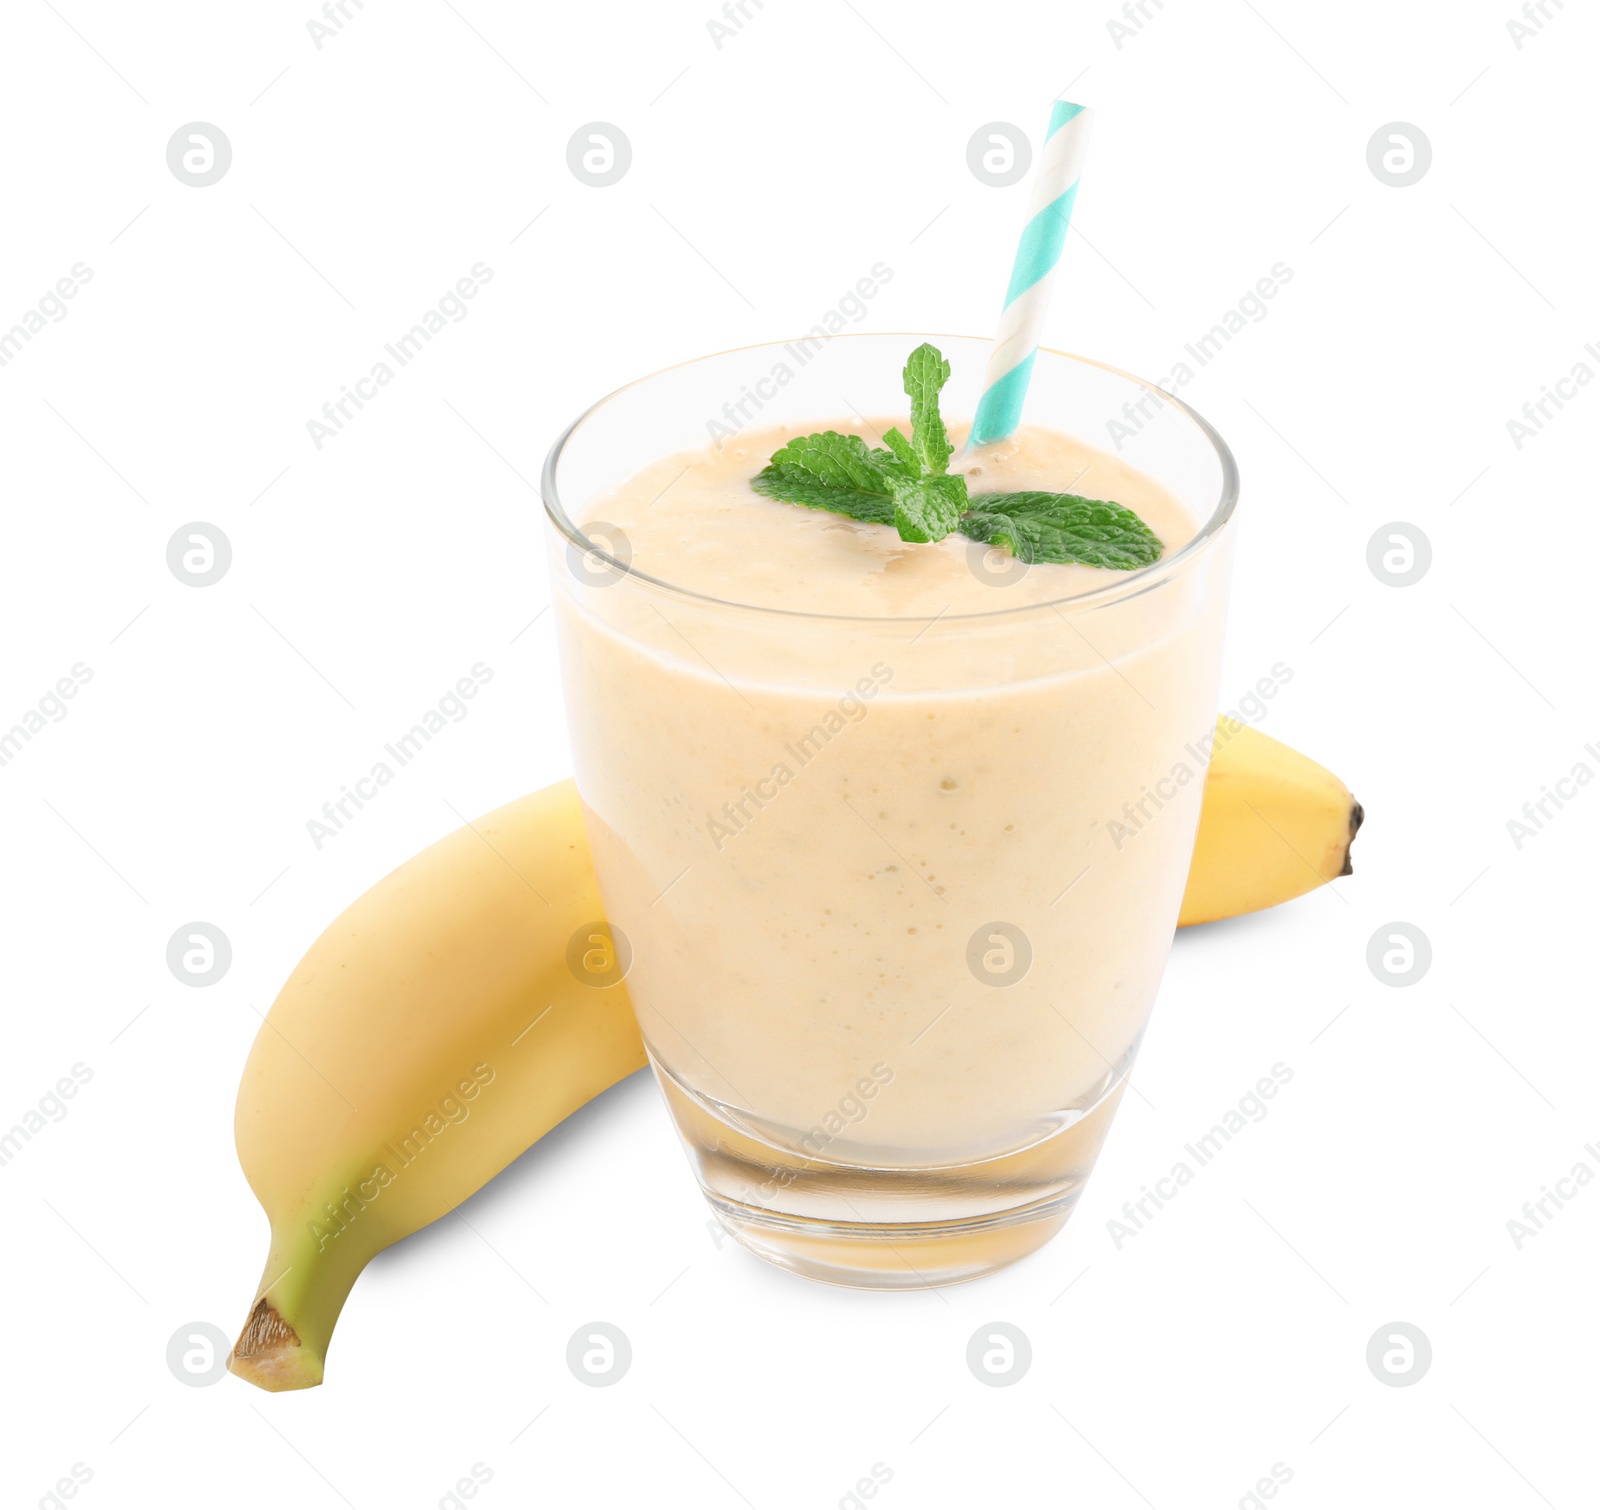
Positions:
(807, 827)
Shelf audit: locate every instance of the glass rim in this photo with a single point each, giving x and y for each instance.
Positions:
(1132, 584)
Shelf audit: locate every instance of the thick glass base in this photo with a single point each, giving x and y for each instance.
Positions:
(882, 1227)
(901, 1256)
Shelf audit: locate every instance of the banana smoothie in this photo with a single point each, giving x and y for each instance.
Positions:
(892, 833)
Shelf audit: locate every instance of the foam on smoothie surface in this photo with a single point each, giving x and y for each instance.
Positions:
(692, 519)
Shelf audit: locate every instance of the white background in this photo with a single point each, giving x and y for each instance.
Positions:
(768, 175)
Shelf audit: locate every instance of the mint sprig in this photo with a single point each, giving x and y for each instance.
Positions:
(909, 485)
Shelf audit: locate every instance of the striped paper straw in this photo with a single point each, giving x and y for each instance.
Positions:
(1033, 274)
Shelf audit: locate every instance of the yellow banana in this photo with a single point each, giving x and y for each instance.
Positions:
(431, 1034)
(1273, 825)
(437, 1029)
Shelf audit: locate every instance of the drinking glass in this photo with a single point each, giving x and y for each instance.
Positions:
(892, 895)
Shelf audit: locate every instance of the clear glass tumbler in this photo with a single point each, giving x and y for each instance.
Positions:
(894, 895)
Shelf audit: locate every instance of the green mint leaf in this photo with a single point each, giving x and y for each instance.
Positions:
(834, 472)
(1062, 527)
(834, 460)
(926, 373)
(901, 447)
(795, 487)
(928, 508)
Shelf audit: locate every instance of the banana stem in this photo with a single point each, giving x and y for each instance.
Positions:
(303, 1289)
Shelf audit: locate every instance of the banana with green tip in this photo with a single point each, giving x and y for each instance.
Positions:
(431, 1034)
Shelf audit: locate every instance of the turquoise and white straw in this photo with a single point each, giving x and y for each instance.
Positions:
(1033, 274)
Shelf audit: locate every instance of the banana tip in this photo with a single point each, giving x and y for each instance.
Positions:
(269, 1355)
(1357, 818)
